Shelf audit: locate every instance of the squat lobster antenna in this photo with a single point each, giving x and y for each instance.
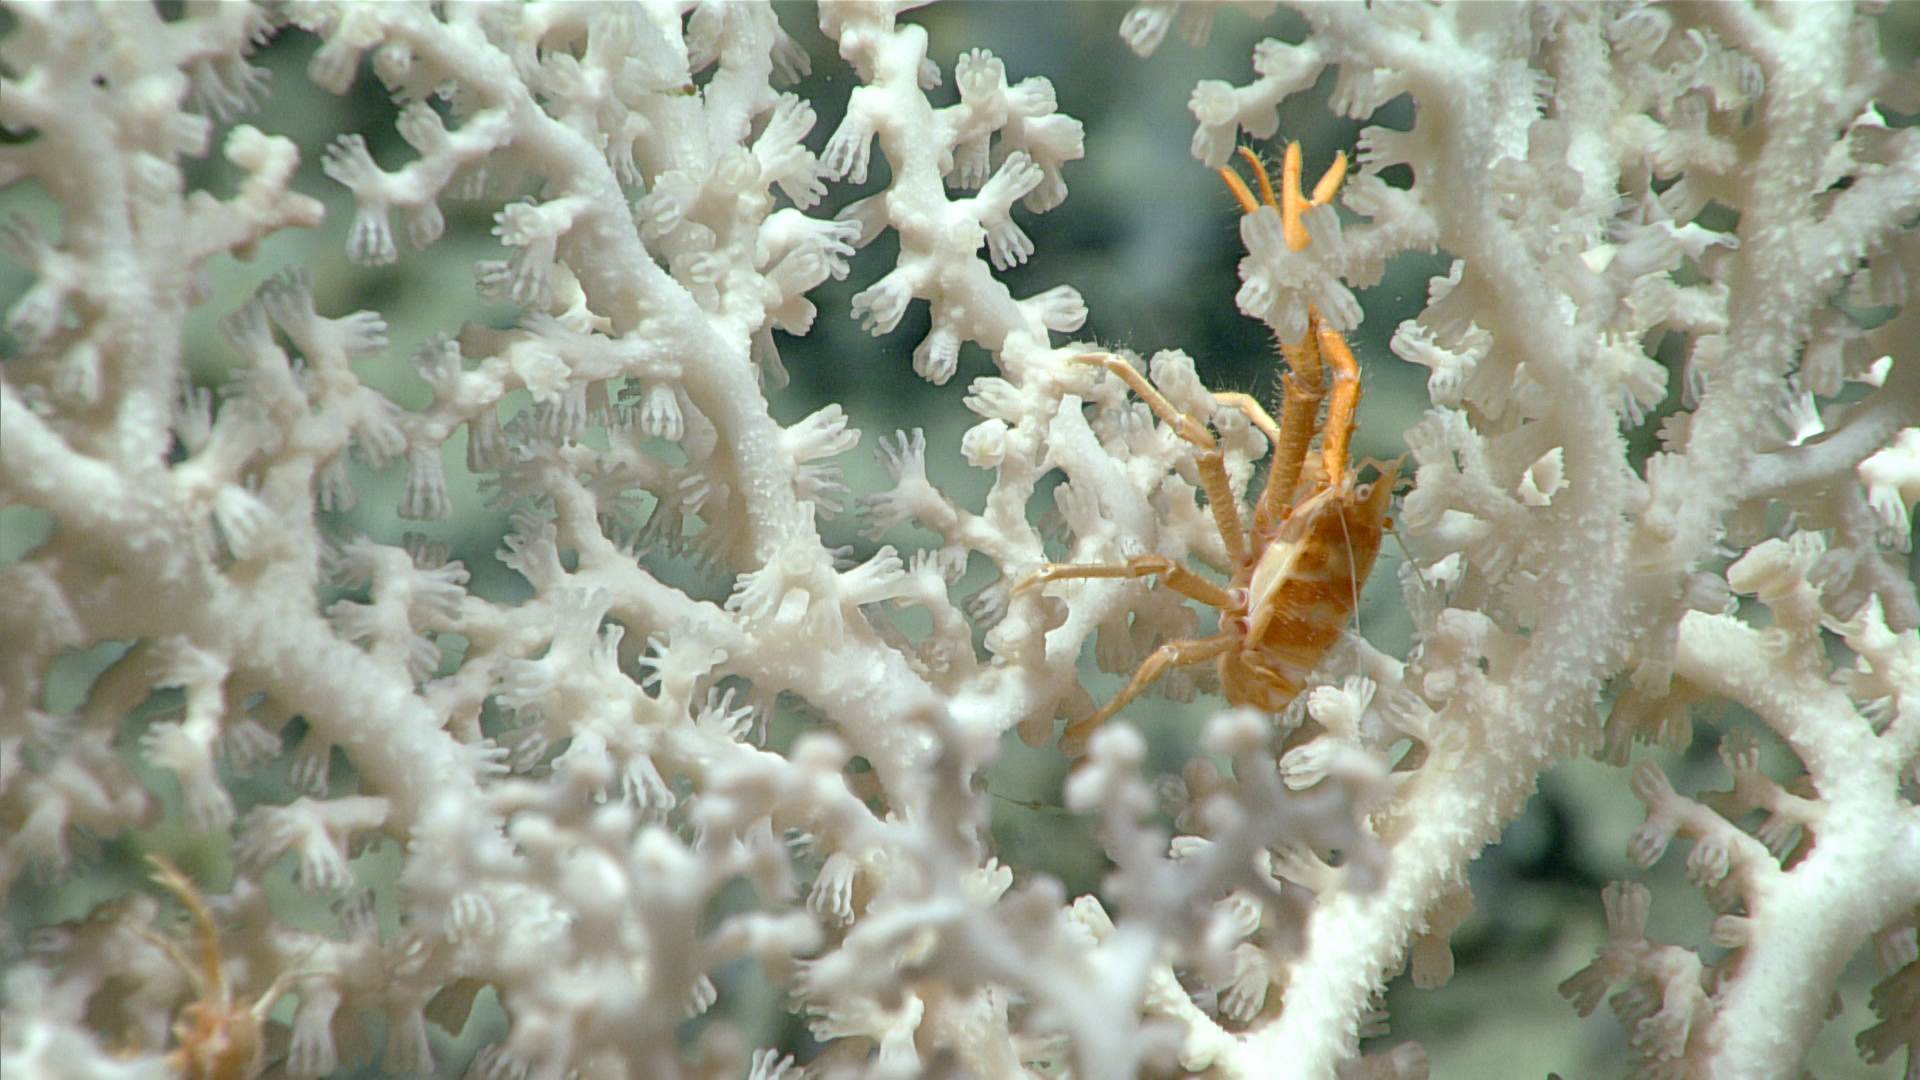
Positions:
(1291, 202)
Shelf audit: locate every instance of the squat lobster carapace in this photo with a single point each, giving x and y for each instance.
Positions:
(1299, 563)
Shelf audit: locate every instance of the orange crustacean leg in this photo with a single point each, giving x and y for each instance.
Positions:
(1305, 387)
(208, 971)
(1213, 467)
(1346, 399)
(1172, 654)
(1291, 201)
(1253, 410)
(1183, 425)
(1178, 578)
(1248, 204)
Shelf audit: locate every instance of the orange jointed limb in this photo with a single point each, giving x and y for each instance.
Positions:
(1260, 173)
(1291, 201)
(1346, 399)
(1172, 654)
(1177, 577)
(1239, 188)
(1305, 386)
(209, 973)
(1183, 425)
(1253, 411)
(1330, 180)
(1213, 467)
(1220, 501)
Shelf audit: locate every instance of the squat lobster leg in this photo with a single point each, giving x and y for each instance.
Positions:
(1254, 411)
(1178, 578)
(1213, 467)
(1292, 203)
(1172, 654)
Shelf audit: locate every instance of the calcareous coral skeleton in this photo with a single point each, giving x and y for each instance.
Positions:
(621, 754)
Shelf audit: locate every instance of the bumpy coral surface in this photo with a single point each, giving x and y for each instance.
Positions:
(659, 735)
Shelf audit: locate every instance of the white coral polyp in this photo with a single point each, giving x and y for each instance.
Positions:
(1892, 479)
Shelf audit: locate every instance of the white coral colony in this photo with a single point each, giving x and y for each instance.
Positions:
(525, 663)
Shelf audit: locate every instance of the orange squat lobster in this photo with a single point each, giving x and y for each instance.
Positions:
(1297, 572)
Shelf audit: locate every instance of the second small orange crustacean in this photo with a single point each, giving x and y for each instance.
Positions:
(219, 1038)
(1299, 562)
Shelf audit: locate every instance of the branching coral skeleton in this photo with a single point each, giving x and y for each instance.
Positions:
(667, 824)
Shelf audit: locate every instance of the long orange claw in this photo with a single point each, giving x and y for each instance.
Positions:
(1291, 202)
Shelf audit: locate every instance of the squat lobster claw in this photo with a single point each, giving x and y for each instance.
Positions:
(1315, 530)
